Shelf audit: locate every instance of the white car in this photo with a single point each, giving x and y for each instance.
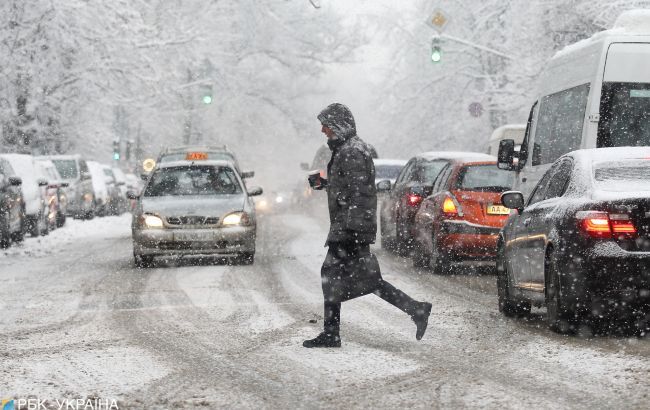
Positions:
(100, 188)
(34, 189)
(194, 208)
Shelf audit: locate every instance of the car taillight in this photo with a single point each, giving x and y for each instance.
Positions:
(603, 225)
(449, 207)
(413, 199)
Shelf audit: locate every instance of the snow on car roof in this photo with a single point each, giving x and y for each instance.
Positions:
(617, 187)
(212, 162)
(382, 161)
(629, 23)
(455, 155)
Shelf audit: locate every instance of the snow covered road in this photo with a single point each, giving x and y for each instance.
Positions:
(78, 320)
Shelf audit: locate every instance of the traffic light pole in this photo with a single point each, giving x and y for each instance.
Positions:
(437, 37)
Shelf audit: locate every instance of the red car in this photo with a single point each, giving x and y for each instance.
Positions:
(462, 218)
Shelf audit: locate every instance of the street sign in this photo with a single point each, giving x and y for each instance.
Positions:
(438, 20)
(475, 109)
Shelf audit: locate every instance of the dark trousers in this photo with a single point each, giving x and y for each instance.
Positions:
(388, 292)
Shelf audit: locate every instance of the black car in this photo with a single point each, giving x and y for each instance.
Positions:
(413, 184)
(12, 206)
(581, 244)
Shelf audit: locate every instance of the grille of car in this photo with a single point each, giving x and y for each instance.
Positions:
(192, 220)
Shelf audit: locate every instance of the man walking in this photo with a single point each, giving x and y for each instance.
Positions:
(349, 269)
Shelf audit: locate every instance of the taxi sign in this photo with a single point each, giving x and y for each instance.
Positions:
(148, 164)
(196, 156)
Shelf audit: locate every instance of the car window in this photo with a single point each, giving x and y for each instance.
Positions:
(83, 166)
(405, 174)
(428, 171)
(193, 180)
(559, 180)
(441, 180)
(486, 178)
(540, 189)
(67, 168)
(387, 171)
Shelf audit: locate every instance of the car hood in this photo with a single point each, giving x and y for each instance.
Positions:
(193, 205)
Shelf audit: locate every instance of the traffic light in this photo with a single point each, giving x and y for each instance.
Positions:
(127, 153)
(116, 150)
(206, 94)
(436, 50)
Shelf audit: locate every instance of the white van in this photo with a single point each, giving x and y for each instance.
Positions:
(592, 94)
(513, 132)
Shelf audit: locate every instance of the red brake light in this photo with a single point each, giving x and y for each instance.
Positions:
(602, 225)
(413, 200)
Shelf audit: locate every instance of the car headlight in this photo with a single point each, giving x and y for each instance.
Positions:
(236, 218)
(279, 199)
(152, 221)
(88, 197)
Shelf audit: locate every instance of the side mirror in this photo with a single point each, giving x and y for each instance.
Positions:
(85, 175)
(513, 200)
(506, 156)
(64, 184)
(42, 182)
(247, 174)
(15, 181)
(304, 166)
(255, 191)
(132, 195)
(383, 186)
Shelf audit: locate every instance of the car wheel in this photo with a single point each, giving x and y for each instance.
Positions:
(385, 240)
(34, 227)
(402, 242)
(45, 230)
(439, 262)
(508, 306)
(60, 219)
(561, 319)
(247, 258)
(5, 234)
(421, 258)
(143, 261)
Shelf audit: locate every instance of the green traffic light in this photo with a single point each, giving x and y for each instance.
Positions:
(207, 99)
(116, 156)
(436, 54)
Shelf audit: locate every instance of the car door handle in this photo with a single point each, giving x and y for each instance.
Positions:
(526, 221)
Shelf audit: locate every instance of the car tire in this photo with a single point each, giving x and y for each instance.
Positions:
(5, 234)
(402, 244)
(247, 258)
(34, 227)
(508, 306)
(561, 318)
(143, 261)
(60, 220)
(420, 257)
(438, 261)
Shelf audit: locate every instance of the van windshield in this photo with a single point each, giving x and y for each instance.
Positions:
(624, 115)
(67, 168)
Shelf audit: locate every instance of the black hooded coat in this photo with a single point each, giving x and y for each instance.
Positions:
(349, 270)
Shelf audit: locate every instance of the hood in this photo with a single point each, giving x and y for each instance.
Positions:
(339, 119)
(193, 205)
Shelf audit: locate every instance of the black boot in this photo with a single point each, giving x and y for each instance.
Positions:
(421, 319)
(323, 340)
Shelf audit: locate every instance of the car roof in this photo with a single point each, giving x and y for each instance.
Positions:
(455, 155)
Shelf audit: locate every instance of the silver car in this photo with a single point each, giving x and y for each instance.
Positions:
(194, 208)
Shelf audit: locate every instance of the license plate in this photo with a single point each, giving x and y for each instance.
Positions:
(194, 236)
(497, 210)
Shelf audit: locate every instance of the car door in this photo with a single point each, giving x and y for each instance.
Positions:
(542, 222)
(425, 217)
(391, 205)
(518, 243)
